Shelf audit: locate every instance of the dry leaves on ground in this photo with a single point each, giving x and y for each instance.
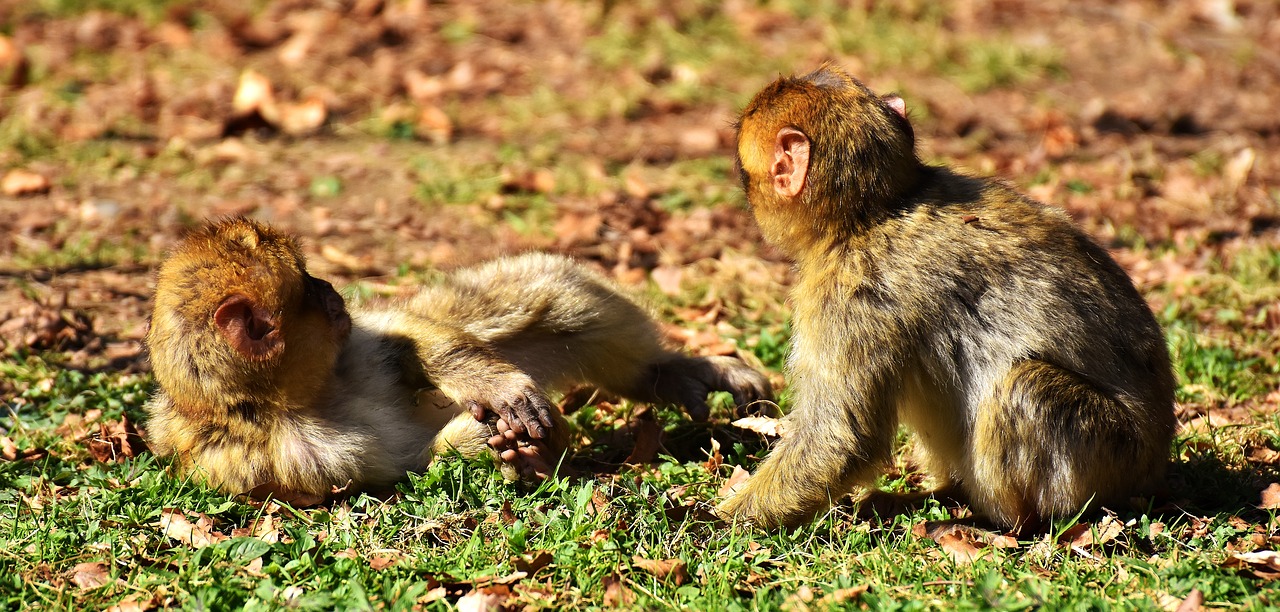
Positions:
(90, 575)
(1263, 564)
(765, 426)
(672, 570)
(734, 482)
(962, 543)
(176, 525)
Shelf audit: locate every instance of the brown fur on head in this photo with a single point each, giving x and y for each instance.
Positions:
(813, 169)
(228, 302)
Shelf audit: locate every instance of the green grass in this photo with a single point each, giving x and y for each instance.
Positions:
(459, 526)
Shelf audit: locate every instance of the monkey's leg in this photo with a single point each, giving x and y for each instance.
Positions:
(1047, 443)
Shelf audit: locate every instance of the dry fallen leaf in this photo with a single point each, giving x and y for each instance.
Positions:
(483, 599)
(133, 603)
(674, 570)
(20, 182)
(252, 94)
(616, 592)
(90, 575)
(301, 117)
(1264, 564)
(960, 545)
(174, 524)
(1271, 497)
(383, 558)
(115, 440)
(714, 458)
(668, 278)
(841, 596)
(1085, 535)
(736, 480)
(531, 562)
(1193, 603)
(263, 529)
(765, 426)
(648, 436)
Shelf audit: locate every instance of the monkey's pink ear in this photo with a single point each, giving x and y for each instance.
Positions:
(790, 162)
(249, 328)
(897, 104)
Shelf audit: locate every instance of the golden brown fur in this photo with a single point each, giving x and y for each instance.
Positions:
(1031, 371)
(266, 384)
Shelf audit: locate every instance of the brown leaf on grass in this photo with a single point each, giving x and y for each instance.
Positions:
(8, 449)
(841, 596)
(799, 600)
(736, 480)
(21, 182)
(507, 515)
(531, 562)
(1262, 454)
(90, 575)
(961, 546)
(600, 504)
(264, 529)
(714, 458)
(76, 426)
(962, 542)
(668, 278)
(484, 599)
(1193, 603)
(253, 93)
(298, 118)
(383, 558)
(674, 570)
(174, 524)
(648, 436)
(575, 228)
(1264, 564)
(48, 327)
(1085, 535)
(1271, 497)
(765, 426)
(434, 125)
(116, 440)
(616, 592)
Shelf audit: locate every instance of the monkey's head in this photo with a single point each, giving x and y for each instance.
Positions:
(822, 156)
(237, 319)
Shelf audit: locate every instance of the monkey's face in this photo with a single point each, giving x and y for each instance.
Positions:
(320, 295)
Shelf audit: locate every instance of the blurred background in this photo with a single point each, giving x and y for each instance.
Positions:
(403, 137)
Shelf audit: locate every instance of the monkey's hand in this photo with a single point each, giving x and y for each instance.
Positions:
(516, 400)
(688, 380)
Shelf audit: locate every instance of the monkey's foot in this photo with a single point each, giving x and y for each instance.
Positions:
(531, 458)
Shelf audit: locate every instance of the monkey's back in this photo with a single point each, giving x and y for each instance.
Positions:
(1009, 279)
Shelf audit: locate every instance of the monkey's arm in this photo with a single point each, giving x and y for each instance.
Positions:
(467, 371)
(843, 370)
(560, 323)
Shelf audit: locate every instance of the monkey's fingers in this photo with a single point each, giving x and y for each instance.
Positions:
(530, 412)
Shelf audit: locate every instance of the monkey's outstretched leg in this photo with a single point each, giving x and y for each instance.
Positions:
(1049, 443)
